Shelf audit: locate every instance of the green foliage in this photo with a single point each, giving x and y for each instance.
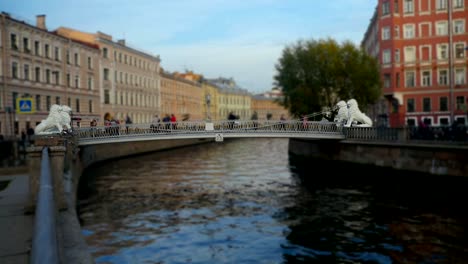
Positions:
(315, 74)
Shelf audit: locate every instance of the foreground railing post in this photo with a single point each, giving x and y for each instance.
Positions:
(45, 246)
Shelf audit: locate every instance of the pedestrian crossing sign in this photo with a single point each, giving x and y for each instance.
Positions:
(24, 105)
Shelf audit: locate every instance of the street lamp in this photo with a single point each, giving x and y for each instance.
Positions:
(208, 101)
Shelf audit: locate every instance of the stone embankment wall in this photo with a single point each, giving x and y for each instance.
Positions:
(438, 159)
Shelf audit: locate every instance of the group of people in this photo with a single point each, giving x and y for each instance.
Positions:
(168, 122)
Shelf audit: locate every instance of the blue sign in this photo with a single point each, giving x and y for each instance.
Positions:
(24, 106)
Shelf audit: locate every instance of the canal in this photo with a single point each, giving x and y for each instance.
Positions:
(249, 201)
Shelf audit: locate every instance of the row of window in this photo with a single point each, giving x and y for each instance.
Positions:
(47, 76)
(443, 105)
(129, 79)
(424, 30)
(46, 49)
(128, 59)
(424, 6)
(131, 99)
(425, 53)
(426, 78)
(76, 108)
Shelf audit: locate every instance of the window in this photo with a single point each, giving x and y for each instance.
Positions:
(106, 97)
(90, 83)
(56, 75)
(26, 47)
(14, 97)
(408, 31)
(37, 74)
(426, 78)
(410, 54)
(68, 56)
(397, 55)
(38, 102)
(443, 103)
(89, 63)
(459, 50)
(441, 4)
(408, 6)
(68, 80)
(14, 42)
(77, 81)
(397, 32)
(458, 27)
(460, 102)
(426, 104)
(386, 56)
(26, 72)
(106, 74)
(14, 70)
(385, 8)
(90, 106)
(387, 80)
(105, 53)
(410, 107)
(77, 63)
(386, 33)
(57, 53)
(460, 76)
(47, 76)
(410, 79)
(441, 28)
(47, 50)
(442, 51)
(57, 100)
(458, 3)
(77, 102)
(396, 7)
(69, 101)
(443, 77)
(37, 48)
(48, 103)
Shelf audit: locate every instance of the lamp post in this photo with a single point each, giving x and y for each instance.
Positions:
(208, 101)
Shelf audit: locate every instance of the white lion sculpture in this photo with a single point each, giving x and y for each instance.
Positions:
(58, 119)
(355, 115)
(342, 115)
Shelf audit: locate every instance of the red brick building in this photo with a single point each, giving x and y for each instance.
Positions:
(421, 46)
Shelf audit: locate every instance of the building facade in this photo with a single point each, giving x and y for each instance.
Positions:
(130, 80)
(42, 68)
(421, 48)
(231, 98)
(267, 106)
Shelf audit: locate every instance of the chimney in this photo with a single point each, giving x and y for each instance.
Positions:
(40, 22)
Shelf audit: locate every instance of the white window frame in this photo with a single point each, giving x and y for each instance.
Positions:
(397, 55)
(386, 56)
(408, 6)
(410, 54)
(385, 8)
(441, 28)
(441, 5)
(426, 79)
(460, 76)
(442, 51)
(408, 31)
(459, 26)
(458, 4)
(445, 76)
(386, 34)
(407, 79)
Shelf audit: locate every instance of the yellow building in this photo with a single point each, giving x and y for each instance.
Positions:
(231, 98)
(43, 68)
(181, 97)
(130, 81)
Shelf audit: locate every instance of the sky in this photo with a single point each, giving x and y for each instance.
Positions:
(239, 39)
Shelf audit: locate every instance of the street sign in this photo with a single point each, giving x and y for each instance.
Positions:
(24, 105)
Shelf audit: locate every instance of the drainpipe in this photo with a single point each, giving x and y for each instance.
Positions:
(450, 29)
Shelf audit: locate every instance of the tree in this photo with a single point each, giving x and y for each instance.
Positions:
(316, 74)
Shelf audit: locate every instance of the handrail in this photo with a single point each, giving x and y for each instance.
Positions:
(45, 246)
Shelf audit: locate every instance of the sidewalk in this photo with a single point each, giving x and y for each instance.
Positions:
(15, 226)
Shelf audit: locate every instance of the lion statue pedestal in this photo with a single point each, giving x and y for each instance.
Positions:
(58, 120)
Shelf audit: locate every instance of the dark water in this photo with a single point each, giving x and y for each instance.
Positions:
(248, 201)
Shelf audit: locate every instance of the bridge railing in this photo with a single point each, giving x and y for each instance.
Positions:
(190, 128)
(45, 246)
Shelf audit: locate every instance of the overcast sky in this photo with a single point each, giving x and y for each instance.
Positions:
(242, 39)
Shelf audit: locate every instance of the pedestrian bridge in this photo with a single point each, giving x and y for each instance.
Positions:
(218, 131)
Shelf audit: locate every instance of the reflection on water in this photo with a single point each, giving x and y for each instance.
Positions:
(248, 201)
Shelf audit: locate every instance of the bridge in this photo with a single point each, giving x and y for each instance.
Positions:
(57, 161)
